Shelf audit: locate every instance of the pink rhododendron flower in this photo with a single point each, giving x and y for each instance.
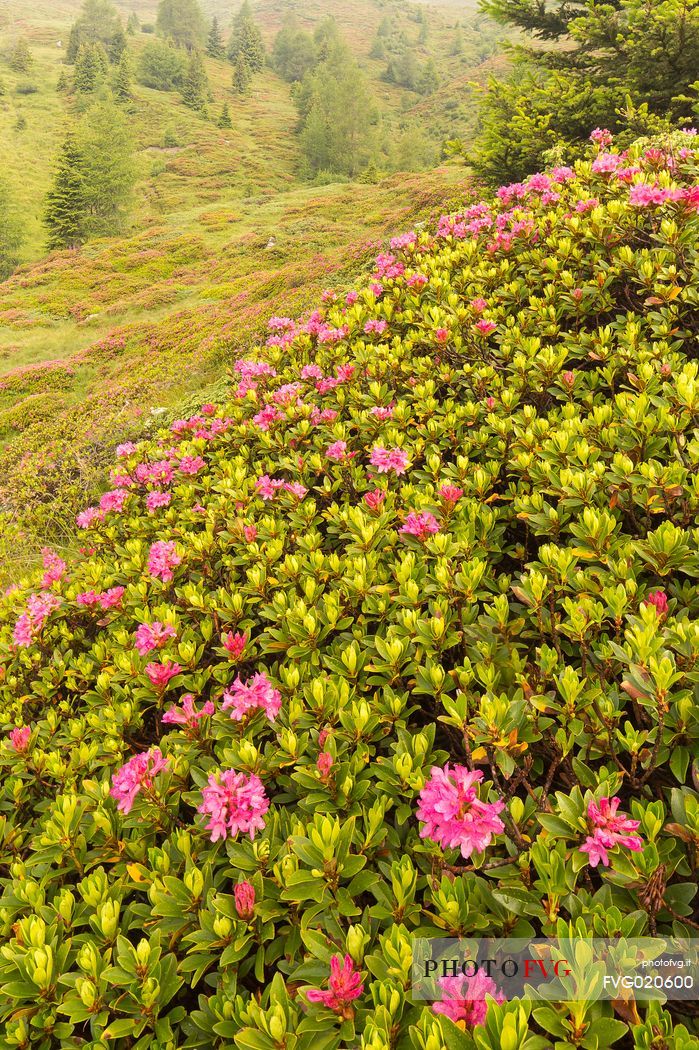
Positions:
(375, 327)
(54, 567)
(387, 460)
(311, 372)
(250, 533)
(268, 415)
(485, 327)
(441, 335)
(382, 412)
(154, 635)
(351, 298)
(234, 644)
(88, 517)
(337, 451)
(234, 803)
(464, 998)
(208, 409)
(659, 600)
(187, 715)
(451, 493)
(344, 986)
(479, 305)
(160, 674)
(606, 162)
(114, 500)
(257, 692)
(610, 828)
(453, 814)
(416, 280)
(156, 500)
(162, 559)
(125, 449)
(191, 464)
(19, 738)
(30, 623)
(295, 488)
(601, 137)
(267, 487)
(421, 524)
(136, 775)
(111, 598)
(324, 763)
(374, 500)
(244, 897)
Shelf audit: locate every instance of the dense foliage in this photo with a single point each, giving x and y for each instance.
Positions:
(448, 518)
(586, 64)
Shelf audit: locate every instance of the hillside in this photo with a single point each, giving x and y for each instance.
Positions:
(397, 637)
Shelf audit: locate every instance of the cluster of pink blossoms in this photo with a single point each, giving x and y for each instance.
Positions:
(162, 559)
(54, 567)
(453, 814)
(387, 460)
(344, 986)
(136, 775)
(268, 488)
(234, 803)
(244, 897)
(234, 644)
(464, 998)
(610, 829)
(154, 635)
(30, 623)
(658, 599)
(420, 524)
(257, 693)
(109, 599)
(19, 738)
(187, 715)
(375, 499)
(160, 674)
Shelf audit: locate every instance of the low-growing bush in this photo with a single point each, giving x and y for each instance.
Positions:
(401, 639)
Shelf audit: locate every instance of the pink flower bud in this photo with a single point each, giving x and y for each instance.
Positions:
(659, 600)
(244, 894)
(324, 763)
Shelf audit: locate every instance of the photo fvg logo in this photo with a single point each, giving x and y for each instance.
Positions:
(556, 970)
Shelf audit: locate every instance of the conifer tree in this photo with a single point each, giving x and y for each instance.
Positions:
(122, 80)
(224, 121)
(116, 45)
(214, 44)
(99, 22)
(87, 69)
(195, 90)
(21, 58)
(62, 84)
(246, 40)
(242, 75)
(106, 150)
(64, 214)
(133, 24)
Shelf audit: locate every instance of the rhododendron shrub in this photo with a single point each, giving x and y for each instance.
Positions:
(411, 650)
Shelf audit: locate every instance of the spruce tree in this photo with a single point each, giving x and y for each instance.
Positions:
(133, 24)
(62, 84)
(242, 75)
(214, 44)
(246, 40)
(87, 69)
(195, 90)
(107, 164)
(122, 81)
(21, 58)
(99, 22)
(64, 215)
(116, 45)
(224, 121)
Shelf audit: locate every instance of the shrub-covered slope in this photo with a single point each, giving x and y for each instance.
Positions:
(368, 649)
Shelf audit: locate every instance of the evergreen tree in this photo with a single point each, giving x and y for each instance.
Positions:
(246, 40)
(214, 44)
(62, 84)
(224, 121)
(116, 45)
(10, 234)
(122, 81)
(195, 90)
(182, 22)
(21, 58)
(242, 75)
(428, 79)
(108, 169)
(133, 25)
(588, 60)
(98, 23)
(87, 69)
(162, 66)
(65, 211)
